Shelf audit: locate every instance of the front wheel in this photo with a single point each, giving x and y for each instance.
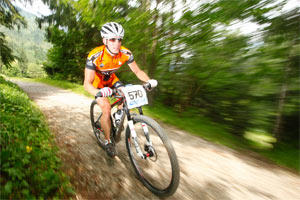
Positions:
(159, 171)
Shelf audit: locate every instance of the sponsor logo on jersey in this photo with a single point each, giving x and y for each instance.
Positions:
(106, 73)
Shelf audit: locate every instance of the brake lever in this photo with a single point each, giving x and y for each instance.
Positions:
(147, 86)
(117, 93)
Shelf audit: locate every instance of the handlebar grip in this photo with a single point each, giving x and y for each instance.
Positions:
(106, 94)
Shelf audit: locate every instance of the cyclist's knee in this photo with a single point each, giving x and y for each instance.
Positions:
(105, 106)
(106, 110)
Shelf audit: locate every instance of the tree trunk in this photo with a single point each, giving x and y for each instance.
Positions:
(0, 63)
(282, 98)
(152, 65)
(278, 122)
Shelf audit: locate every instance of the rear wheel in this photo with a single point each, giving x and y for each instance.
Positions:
(95, 115)
(159, 172)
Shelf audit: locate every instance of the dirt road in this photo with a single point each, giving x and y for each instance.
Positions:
(208, 171)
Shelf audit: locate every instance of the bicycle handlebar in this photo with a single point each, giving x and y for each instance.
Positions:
(117, 93)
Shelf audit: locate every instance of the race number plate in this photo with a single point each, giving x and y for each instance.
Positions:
(135, 96)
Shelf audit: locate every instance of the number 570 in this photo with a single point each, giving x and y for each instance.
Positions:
(135, 94)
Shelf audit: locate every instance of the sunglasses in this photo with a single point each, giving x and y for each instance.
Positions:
(114, 39)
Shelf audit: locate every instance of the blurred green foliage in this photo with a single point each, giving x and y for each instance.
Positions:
(28, 49)
(30, 168)
(9, 18)
(241, 81)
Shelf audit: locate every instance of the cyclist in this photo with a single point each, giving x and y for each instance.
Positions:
(100, 77)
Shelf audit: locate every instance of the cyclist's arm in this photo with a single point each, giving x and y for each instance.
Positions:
(138, 72)
(89, 76)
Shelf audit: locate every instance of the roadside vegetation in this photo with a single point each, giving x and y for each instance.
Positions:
(30, 168)
(259, 141)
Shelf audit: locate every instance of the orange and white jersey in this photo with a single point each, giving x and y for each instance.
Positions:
(104, 63)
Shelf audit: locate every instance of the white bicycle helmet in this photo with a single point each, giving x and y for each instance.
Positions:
(112, 29)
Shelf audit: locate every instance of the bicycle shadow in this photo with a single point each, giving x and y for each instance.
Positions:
(186, 189)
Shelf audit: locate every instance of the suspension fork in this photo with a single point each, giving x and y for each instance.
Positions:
(134, 136)
(145, 128)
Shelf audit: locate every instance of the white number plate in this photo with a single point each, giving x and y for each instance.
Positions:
(135, 96)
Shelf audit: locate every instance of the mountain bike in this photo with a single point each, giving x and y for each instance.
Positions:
(150, 151)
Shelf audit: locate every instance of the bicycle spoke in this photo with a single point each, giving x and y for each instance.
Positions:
(157, 172)
(96, 114)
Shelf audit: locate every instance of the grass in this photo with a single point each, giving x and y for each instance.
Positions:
(261, 139)
(197, 125)
(255, 140)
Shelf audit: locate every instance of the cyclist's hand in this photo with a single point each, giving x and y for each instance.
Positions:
(152, 83)
(104, 92)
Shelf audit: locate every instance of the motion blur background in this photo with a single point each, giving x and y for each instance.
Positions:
(234, 63)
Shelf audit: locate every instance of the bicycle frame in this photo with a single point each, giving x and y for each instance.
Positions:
(119, 100)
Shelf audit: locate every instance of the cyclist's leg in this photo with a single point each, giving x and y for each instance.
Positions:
(105, 118)
(106, 109)
(105, 122)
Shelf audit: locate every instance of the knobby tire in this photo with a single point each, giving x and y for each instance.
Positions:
(171, 188)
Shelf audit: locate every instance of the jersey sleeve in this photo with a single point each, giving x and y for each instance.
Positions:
(128, 53)
(131, 59)
(93, 55)
(89, 64)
